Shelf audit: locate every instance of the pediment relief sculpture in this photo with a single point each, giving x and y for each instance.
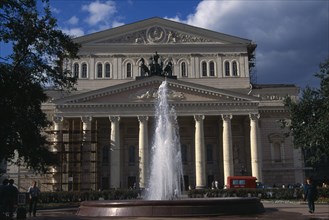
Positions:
(147, 94)
(156, 35)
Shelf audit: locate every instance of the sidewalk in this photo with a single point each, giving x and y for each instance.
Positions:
(277, 211)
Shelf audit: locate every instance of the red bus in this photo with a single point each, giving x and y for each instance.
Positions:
(241, 182)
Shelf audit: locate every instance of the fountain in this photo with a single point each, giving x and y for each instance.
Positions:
(166, 170)
(162, 196)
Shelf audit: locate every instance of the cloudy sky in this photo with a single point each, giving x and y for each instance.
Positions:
(292, 35)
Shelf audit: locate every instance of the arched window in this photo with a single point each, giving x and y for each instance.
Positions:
(132, 154)
(227, 68)
(204, 68)
(99, 70)
(129, 70)
(235, 68)
(183, 69)
(76, 70)
(107, 70)
(84, 71)
(211, 68)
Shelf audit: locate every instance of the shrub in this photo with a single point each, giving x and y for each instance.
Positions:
(275, 193)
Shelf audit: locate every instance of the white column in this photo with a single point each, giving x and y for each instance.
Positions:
(58, 135)
(227, 147)
(200, 165)
(57, 147)
(115, 179)
(87, 168)
(86, 128)
(143, 150)
(255, 149)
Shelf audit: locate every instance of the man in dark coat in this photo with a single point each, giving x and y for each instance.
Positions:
(11, 193)
(3, 198)
(310, 194)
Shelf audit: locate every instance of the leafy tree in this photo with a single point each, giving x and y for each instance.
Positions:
(38, 58)
(309, 120)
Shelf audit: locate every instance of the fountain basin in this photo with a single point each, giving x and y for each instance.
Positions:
(172, 208)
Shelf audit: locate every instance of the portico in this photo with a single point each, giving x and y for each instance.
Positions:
(126, 138)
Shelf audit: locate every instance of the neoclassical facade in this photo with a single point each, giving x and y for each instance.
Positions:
(228, 126)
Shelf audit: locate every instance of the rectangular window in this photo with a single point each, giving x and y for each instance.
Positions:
(235, 68)
(212, 68)
(99, 70)
(84, 71)
(76, 70)
(132, 155)
(129, 70)
(107, 70)
(184, 71)
(204, 69)
(227, 68)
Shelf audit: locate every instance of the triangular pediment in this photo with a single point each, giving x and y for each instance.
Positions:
(158, 31)
(145, 91)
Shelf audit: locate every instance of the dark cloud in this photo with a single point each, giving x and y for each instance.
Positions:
(292, 36)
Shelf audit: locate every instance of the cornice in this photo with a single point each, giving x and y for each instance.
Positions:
(148, 109)
(151, 104)
(155, 82)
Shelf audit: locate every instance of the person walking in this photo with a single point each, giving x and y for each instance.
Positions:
(33, 192)
(3, 199)
(11, 193)
(310, 194)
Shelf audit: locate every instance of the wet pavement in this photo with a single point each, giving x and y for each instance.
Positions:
(292, 211)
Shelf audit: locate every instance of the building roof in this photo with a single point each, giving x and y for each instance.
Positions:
(160, 31)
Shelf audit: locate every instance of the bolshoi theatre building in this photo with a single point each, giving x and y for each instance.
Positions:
(228, 125)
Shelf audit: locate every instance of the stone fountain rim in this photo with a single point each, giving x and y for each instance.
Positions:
(141, 202)
(171, 208)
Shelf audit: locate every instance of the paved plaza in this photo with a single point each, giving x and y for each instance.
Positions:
(292, 211)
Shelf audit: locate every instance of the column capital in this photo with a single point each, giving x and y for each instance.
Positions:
(58, 119)
(142, 118)
(114, 118)
(57, 123)
(227, 117)
(86, 119)
(254, 116)
(199, 117)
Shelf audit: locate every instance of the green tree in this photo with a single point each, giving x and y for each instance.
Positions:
(37, 60)
(309, 119)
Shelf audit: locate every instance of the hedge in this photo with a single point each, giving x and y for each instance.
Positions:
(62, 197)
(126, 194)
(275, 193)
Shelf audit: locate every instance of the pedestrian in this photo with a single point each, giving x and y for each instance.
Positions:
(33, 192)
(11, 194)
(3, 198)
(310, 194)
